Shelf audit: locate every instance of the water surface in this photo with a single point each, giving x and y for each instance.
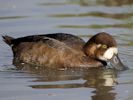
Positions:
(83, 18)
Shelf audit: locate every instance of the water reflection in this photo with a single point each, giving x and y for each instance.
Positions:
(104, 93)
(102, 80)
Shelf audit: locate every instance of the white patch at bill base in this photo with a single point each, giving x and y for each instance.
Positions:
(109, 53)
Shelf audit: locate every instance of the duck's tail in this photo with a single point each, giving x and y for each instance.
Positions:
(8, 40)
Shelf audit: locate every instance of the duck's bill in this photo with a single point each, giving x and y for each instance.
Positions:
(116, 63)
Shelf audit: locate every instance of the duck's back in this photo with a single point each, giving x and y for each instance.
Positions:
(70, 40)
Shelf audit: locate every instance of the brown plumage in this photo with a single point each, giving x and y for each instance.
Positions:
(60, 50)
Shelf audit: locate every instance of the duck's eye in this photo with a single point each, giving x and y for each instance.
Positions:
(104, 46)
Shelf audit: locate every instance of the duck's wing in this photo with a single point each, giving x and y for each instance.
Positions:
(46, 51)
(70, 40)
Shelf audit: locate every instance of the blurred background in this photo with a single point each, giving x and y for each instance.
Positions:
(83, 18)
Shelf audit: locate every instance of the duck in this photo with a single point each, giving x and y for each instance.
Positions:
(63, 50)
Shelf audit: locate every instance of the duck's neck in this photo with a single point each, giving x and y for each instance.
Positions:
(89, 49)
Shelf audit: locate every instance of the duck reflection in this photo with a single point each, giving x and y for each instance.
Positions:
(103, 93)
(103, 83)
(102, 80)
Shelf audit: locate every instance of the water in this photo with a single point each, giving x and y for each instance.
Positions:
(79, 17)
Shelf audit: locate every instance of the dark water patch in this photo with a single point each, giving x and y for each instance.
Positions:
(95, 26)
(117, 2)
(12, 17)
(96, 14)
(91, 2)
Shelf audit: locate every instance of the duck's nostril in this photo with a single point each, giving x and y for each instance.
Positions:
(116, 60)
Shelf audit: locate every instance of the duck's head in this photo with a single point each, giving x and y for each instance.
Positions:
(103, 47)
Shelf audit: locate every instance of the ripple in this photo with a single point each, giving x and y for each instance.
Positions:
(96, 14)
(95, 26)
(89, 2)
(12, 17)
